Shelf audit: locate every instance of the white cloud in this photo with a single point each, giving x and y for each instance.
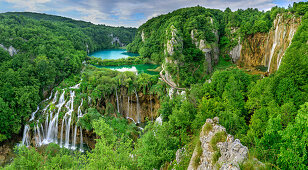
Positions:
(129, 12)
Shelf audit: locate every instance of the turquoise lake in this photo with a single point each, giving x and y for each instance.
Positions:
(113, 54)
(121, 53)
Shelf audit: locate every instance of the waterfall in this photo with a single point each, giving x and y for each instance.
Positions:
(117, 101)
(33, 114)
(69, 116)
(54, 100)
(37, 135)
(50, 96)
(75, 132)
(47, 132)
(138, 107)
(52, 131)
(25, 138)
(274, 45)
(291, 35)
(81, 140)
(42, 129)
(89, 100)
(61, 138)
(74, 139)
(127, 106)
(151, 106)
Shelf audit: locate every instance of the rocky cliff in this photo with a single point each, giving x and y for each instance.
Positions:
(210, 50)
(11, 50)
(217, 149)
(266, 49)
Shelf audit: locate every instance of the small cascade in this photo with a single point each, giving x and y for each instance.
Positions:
(138, 107)
(54, 100)
(33, 114)
(26, 139)
(79, 114)
(117, 101)
(37, 135)
(276, 39)
(68, 118)
(159, 120)
(61, 138)
(127, 106)
(81, 140)
(131, 119)
(74, 138)
(151, 107)
(89, 100)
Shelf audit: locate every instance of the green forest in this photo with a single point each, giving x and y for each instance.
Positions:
(268, 114)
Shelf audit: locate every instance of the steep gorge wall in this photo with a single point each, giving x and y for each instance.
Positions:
(267, 49)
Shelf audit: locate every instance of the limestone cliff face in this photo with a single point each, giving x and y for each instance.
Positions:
(266, 49)
(210, 50)
(174, 41)
(116, 41)
(226, 154)
(11, 50)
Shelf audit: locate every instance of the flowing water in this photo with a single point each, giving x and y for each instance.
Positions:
(48, 133)
(276, 39)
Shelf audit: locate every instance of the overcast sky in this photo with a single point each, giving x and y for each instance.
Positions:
(130, 13)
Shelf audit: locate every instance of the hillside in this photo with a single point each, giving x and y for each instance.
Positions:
(189, 42)
(36, 55)
(236, 95)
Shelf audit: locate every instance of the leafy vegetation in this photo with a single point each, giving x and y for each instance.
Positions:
(269, 115)
(49, 50)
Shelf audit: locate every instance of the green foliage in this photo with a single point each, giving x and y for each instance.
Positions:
(294, 142)
(86, 122)
(118, 62)
(49, 49)
(156, 146)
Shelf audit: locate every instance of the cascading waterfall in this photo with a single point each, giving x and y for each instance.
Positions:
(276, 38)
(291, 35)
(25, 138)
(127, 106)
(138, 107)
(117, 101)
(33, 114)
(48, 132)
(79, 114)
(68, 118)
(151, 106)
(81, 140)
(52, 131)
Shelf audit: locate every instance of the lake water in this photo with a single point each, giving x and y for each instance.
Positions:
(113, 54)
(121, 53)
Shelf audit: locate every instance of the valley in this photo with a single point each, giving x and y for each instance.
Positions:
(196, 88)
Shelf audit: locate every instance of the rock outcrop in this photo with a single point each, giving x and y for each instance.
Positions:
(116, 41)
(142, 36)
(174, 41)
(219, 149)
(11, 50)
(266, 49)
(210, 50)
